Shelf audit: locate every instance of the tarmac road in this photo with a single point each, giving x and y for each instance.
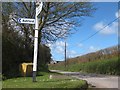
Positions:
(95, 80)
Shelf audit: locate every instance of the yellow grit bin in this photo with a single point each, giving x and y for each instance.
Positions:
(26, 69)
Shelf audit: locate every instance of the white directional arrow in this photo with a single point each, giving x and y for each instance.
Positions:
(19, 20)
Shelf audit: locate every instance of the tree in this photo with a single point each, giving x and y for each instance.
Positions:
(59, 18)
(55, 20)
(14, 51)
(44, 58)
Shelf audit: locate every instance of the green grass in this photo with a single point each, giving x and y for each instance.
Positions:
(108, 66)
(44, 82)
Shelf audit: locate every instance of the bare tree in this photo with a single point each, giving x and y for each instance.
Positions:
(56, 19)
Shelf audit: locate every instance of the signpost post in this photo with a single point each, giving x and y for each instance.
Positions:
(34, 21)
(38, 10)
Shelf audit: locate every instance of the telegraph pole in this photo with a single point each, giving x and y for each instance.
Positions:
(38, 10)
(65, 53)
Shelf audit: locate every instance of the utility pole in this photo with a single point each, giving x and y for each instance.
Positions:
(38, 10)
(65, 54)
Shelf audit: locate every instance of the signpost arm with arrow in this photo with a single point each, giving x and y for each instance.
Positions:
(38, 10)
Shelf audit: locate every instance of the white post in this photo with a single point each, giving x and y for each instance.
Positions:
(35, 49)
(38, 10)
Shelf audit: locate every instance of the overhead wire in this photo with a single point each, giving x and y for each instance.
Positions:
(99, 30)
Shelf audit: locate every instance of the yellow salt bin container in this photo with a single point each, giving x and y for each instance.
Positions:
(26, 69)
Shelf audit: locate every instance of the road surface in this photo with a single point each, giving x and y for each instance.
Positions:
(95, 80)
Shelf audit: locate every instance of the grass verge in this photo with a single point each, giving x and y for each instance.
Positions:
(44, 81)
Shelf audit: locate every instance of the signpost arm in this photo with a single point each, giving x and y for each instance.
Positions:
(36, 42)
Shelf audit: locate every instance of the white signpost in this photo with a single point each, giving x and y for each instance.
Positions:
(38, 10)
(26, 20)
(34, 21)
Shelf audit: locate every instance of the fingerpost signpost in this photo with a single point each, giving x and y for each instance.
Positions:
(34, 21)
(38, 10)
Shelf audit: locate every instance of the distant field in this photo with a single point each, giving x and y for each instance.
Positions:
(106, 66)
(45, 82)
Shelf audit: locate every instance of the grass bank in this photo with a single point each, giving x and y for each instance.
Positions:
(43, 81)
(107, 66)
